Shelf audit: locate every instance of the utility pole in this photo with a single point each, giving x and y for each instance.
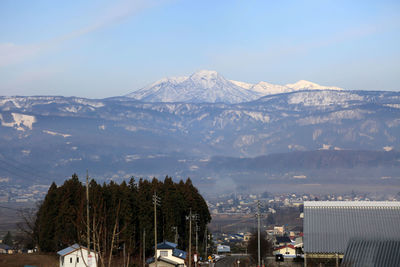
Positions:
(197, 237)
(197, 242)
(206, 239)
(258, 215)
(156, 202)
(87, 210)
(144, 247)
(190, 218)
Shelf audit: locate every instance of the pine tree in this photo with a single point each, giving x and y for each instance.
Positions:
(8, 239)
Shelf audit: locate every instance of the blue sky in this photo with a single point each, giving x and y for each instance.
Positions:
(100, 48)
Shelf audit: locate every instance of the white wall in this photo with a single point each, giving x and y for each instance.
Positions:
(78, 258)
(170, 257)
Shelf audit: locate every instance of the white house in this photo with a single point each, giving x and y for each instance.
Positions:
(286, 250)
(168, 256)
(77, 256)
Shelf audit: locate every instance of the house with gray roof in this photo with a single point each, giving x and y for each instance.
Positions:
(330, 225)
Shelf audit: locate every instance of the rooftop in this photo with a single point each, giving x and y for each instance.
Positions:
(329, 225)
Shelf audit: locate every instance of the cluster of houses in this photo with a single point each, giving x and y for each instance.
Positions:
(335, 233)
(6, 249)
(341, 233)
(287, 244)
(244, 203)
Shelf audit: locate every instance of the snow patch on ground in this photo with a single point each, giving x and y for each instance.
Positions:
(4, 179)
(388, 148)
(299, 177)
(129, 158)
(393, 105)
(20, 121)
(323, 98)
(258, 116)
(26, 152)
(95, 104)
(56, 134)
(325, 147)
(334, 117)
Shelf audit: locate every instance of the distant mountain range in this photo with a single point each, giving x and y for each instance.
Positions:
(215, 131)
(211, 87)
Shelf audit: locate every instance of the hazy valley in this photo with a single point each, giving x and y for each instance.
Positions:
(298, 137)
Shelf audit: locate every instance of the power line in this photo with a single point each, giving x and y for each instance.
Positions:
(22, 170)
(22, 167)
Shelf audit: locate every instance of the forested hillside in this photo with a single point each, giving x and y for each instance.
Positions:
(119, 215)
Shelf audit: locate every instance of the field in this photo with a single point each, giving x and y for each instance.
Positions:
(18, 260)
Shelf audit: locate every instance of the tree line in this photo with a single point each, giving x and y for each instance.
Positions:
(121, 216)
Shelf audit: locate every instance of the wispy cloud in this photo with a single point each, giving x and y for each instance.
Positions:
(12, 53)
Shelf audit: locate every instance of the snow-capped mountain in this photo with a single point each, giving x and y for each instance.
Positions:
(306, 85)
(305, 134)
(201, 87)
(210, 87)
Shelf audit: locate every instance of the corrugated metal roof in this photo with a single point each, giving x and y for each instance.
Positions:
(68, 250)
(328, 226)
(372, 253)
(358, 204)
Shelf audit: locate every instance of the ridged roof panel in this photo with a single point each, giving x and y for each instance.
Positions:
(328, 226)
(372, 252)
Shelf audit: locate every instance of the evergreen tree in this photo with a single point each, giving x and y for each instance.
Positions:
(8, 239)
(119, 214)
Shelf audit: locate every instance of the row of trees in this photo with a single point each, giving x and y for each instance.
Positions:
(120, 215)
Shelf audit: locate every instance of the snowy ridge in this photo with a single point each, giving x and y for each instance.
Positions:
(208, 86)
(201, 87)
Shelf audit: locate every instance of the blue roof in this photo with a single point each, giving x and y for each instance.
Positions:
(179, 253)
(4, 246)
(166, 245)
(70, 249)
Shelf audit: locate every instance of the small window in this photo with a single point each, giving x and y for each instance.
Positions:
(77, 259)
(164, 253)
(70, 260)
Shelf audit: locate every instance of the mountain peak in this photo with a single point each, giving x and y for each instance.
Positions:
(206, 78)
(205, 74)
(210, 86)
(307, 85)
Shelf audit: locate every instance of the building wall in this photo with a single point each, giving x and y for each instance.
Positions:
(284, 251)
(78, 259)
(169, 255)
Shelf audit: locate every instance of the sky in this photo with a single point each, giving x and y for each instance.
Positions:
(99, 49)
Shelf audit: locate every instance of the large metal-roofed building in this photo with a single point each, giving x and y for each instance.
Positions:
(363, 252)
(329, 225)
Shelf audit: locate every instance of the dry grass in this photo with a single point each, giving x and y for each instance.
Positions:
(19, 260)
